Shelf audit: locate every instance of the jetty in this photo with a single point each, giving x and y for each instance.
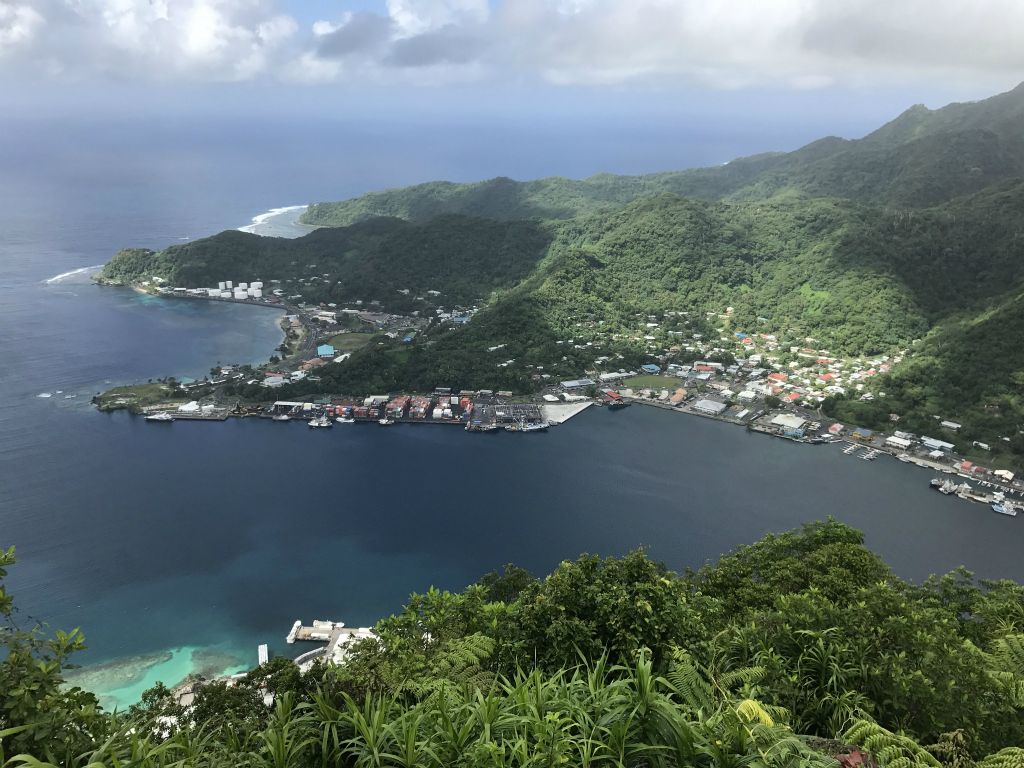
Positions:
(336, 636)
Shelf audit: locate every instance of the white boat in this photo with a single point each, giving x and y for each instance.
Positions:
(385, 422)
(345, 420)
(524, 426)
(320, 422)
(163, 417)
(282, 417)
(1004, 509)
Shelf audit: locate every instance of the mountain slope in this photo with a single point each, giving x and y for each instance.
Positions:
(921, 158)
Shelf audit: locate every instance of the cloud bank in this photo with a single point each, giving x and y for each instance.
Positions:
(709, 43)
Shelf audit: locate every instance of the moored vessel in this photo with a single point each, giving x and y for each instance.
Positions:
(1004, 508)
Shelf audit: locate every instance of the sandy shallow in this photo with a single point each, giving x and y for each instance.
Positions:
(120, 683)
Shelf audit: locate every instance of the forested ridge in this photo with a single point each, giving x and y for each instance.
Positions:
(908, 239)
(787, 652)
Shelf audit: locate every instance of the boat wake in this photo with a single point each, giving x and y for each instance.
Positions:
(264, 217)
(72, 273)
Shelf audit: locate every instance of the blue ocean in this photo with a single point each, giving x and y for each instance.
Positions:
(180, 548)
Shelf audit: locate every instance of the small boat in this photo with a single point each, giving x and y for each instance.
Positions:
(385, 422)
(904, 457)
(1003, 508)
(320, 422)
(345, 420)
(282, 417)
(163, 417)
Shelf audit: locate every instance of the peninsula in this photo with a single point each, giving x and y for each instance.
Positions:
(876, 281)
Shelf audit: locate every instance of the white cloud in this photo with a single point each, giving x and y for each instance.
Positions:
(718, 43)
(18, 26)
(415, 17)
(153, 39)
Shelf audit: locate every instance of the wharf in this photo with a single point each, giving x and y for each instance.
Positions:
(334, 633)
(559, 413)
(211, 416)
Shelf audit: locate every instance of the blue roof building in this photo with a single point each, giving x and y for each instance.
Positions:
(325, 350)
(650, 368)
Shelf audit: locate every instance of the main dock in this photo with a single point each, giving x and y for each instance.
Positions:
(334, 633)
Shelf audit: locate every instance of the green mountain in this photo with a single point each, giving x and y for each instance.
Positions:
(921, 158)
(908, 239)
(788, 653)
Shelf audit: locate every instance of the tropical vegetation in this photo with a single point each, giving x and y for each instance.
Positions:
(792, 651)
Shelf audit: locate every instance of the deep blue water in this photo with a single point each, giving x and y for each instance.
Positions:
(155, 537)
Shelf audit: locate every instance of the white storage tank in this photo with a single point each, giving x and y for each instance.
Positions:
(256, 284)
(225, 294)
(222, 285)
(227, 284)
(244, 286)
(257, 293)
(438, 413)
(213, 292)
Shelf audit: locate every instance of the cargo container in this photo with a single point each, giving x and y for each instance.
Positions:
(398, 406)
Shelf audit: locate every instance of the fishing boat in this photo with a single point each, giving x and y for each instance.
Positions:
(319, 422)
(946, 487)
(385, 422)
(162, 418)
(282, 417)
(345, 420)
(1004, 508)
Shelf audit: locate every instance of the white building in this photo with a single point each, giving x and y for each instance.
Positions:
(710, 407)
(898, 442)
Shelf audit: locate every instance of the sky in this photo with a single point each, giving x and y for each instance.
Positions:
(846, 65)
